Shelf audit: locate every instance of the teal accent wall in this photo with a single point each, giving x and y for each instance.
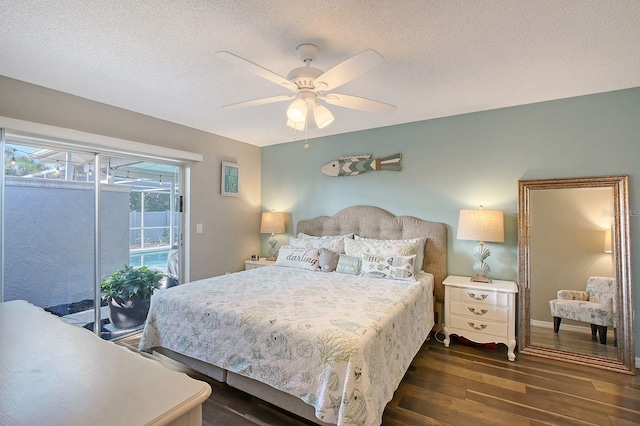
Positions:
(463, 161)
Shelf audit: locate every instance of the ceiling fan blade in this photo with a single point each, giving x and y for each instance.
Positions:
(347, 70)
(355, 102)
(256, 69)
(261, 101)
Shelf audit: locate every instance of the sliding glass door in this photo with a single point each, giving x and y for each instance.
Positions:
(72, 216)
(140, 227)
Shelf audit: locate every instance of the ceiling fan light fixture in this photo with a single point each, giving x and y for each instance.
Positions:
(297, 111)
(309, 84)
(322, 116)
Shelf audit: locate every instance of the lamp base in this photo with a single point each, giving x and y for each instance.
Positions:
(273, 252)
(480, 279)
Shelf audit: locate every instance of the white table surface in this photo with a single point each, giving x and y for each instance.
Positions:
(53, 373)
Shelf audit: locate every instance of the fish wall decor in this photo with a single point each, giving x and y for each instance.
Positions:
(355, 164)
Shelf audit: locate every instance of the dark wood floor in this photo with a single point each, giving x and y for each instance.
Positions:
(468, 386)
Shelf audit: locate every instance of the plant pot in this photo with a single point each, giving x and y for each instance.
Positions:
(128, 313)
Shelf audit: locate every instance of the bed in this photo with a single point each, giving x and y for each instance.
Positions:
(327, 346)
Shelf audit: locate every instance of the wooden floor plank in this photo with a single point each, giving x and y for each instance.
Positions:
(612, 389)
(470, 373)
(625, 408)
(550, 414)
(620, 422)
(455, 411)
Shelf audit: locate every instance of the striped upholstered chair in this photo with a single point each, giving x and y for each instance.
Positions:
(596, 306)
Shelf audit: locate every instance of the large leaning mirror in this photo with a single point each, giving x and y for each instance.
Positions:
(576, 296)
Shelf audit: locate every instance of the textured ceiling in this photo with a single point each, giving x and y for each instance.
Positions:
(442, 58)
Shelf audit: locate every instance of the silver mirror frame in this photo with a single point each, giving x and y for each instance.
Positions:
(621, 243)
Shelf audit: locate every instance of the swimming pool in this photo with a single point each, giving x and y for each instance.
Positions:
(156, 259)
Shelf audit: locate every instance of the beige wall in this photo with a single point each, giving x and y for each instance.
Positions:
(567, 242)
(230, 224)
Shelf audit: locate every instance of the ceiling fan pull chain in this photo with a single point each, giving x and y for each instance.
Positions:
(306, 135)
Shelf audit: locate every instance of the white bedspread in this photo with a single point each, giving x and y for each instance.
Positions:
(340, 343)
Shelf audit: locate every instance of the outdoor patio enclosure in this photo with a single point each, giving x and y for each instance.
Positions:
(59, 201)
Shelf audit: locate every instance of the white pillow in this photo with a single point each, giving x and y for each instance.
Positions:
(299, 257)
(419, 249)
(380, 247)
(390, 267)
(331, 242)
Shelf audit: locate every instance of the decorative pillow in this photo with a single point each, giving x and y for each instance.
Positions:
(348, 265)
(573, 295)
(328, 260)
(391, 267)
(419, 249)
(299, 257)
(331, 242)
(380, 247)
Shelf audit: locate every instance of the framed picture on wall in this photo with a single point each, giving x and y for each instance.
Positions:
(230, 181)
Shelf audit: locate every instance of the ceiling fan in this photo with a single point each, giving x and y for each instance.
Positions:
(310, 85)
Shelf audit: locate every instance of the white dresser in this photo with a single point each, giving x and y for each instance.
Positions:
(53, 373)
(480, 312)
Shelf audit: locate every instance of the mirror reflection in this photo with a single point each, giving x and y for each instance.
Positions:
(572, 273)
(576, 301)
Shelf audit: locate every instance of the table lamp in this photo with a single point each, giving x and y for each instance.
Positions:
(272, 223)
(483, 226)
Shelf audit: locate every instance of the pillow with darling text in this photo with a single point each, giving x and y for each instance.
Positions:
(299, 257)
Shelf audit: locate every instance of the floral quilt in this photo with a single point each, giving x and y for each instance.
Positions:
(338, 342)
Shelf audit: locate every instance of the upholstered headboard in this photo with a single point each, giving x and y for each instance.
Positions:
(374, 222)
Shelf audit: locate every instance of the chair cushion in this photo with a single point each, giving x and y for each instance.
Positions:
(589, 312)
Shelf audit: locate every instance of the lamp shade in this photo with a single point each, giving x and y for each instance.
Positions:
(481, 225)
(322, 116)
(297, 111)
(272, 223)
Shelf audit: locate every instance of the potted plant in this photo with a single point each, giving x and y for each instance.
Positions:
(128, 292)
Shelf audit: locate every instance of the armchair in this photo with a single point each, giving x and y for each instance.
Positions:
(596, 306)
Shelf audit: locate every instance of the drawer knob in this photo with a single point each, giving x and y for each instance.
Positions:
(480, 327)
(480, 297)
(473, 311)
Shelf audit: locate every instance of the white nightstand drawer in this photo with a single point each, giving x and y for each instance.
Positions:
(480, 326)
(479, 296)
(480, 312)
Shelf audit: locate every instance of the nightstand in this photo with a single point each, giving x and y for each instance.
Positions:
(253, 264)
(480, 312)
